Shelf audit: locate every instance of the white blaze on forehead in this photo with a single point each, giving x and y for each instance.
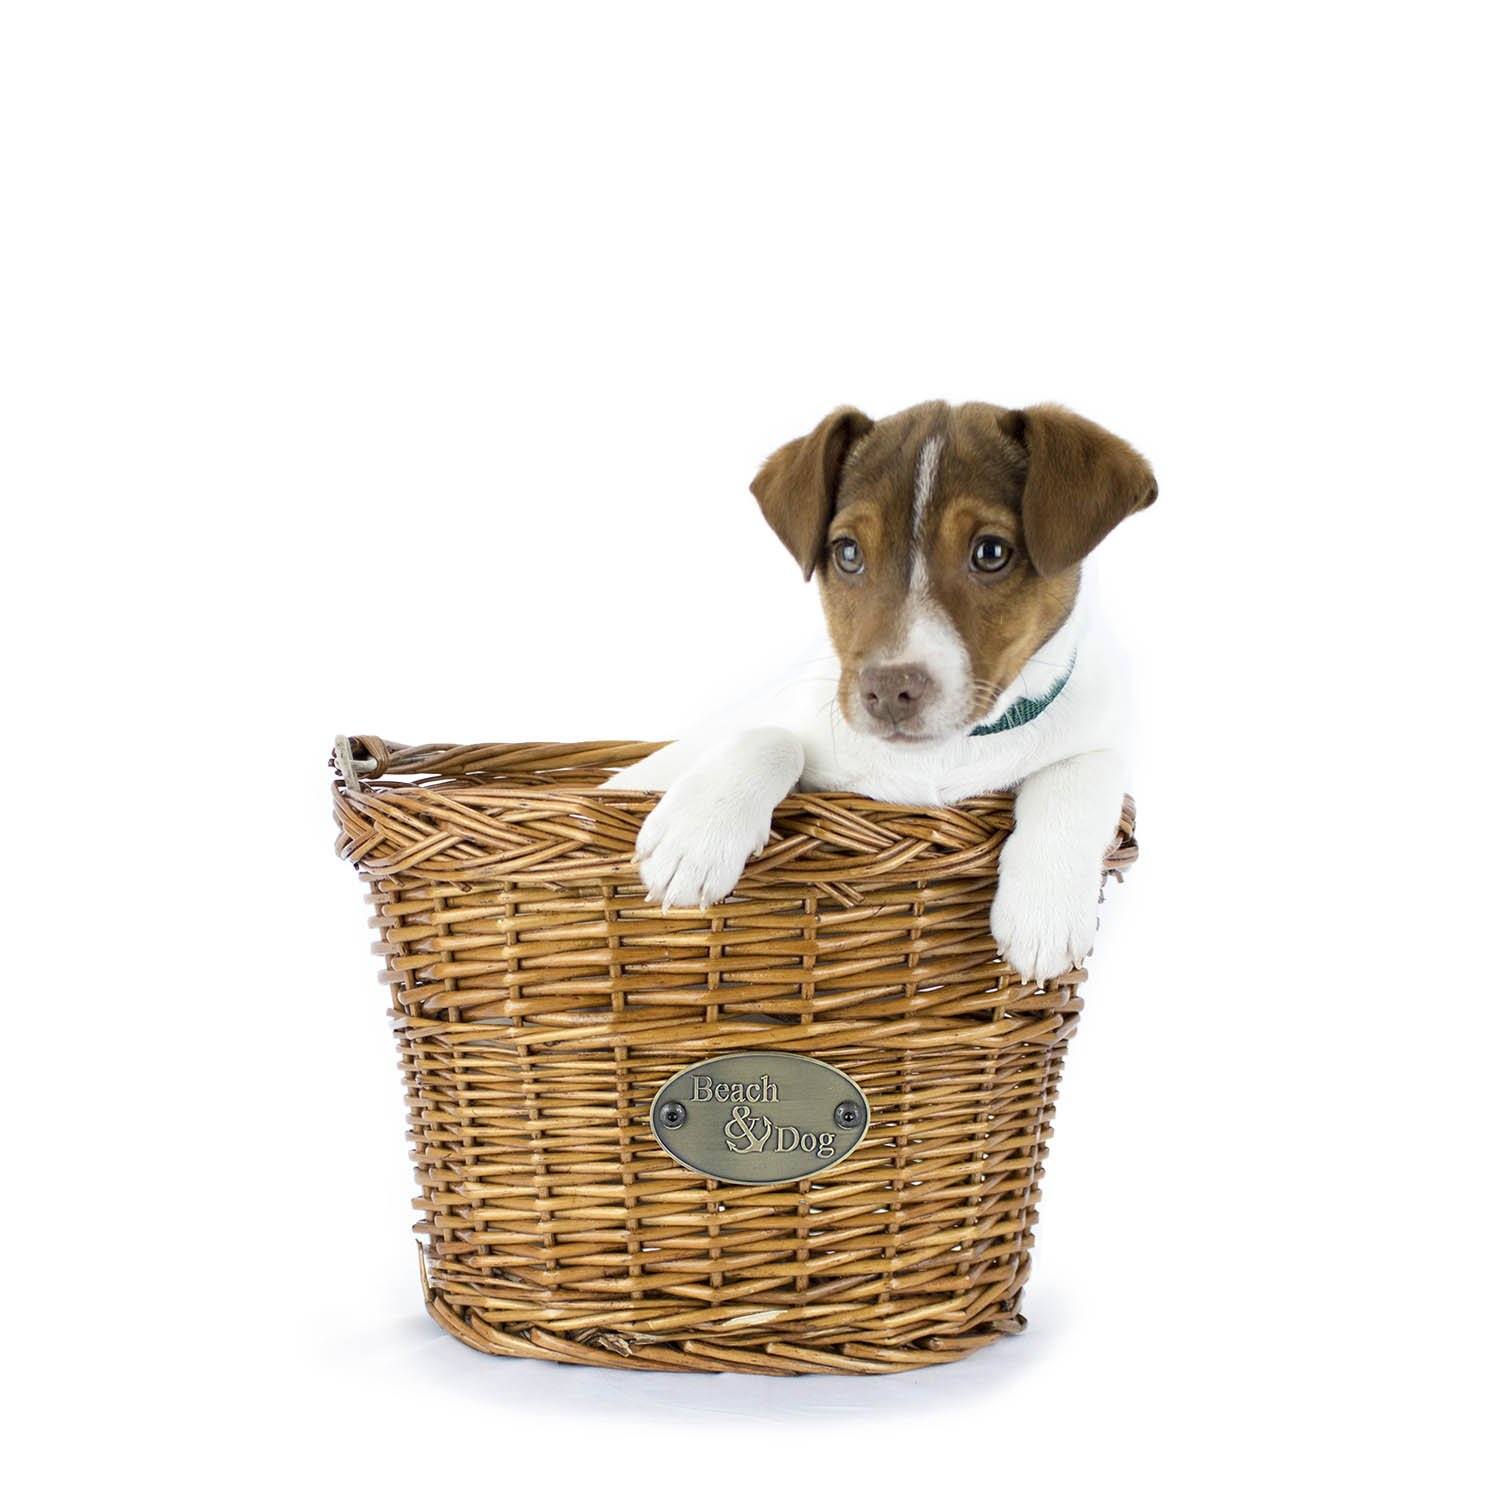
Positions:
(927, 462)
(930, 635)
(925, 635)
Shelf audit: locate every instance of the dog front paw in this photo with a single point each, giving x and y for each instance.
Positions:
(694, 846)
(1046, 912)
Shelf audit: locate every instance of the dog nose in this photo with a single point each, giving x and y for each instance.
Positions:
(893, 693)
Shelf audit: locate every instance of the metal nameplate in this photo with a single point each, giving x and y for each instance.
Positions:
(759, 1117)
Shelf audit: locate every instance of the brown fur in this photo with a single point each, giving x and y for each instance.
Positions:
(1048, 483)
(797, 484)
(1081, 482)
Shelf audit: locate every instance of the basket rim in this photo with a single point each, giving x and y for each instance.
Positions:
(485, 769)
(384, 791)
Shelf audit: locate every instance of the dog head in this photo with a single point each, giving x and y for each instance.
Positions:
(947, 543)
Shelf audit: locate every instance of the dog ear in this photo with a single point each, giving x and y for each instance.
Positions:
(1081, 482)
(797, 484)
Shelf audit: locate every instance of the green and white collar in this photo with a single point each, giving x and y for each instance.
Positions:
(1024, 710)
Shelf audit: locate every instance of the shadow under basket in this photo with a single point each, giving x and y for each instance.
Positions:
(540, 1004)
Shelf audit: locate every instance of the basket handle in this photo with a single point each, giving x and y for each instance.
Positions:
(348, 764)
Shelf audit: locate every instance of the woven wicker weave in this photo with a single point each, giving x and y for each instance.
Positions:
(540, 1003)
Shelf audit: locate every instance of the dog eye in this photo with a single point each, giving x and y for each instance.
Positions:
(990, 555)
(847, 555)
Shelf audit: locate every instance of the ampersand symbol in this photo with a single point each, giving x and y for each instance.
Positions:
(740, 1127)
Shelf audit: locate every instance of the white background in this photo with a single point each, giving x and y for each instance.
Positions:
(401, 369)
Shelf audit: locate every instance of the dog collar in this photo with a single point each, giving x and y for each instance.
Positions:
(1024, 710)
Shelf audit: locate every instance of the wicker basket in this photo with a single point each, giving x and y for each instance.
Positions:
(539, 1003)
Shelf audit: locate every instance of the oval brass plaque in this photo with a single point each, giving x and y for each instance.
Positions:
(759, 1117)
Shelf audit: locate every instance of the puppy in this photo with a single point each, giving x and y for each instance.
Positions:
(948, 545)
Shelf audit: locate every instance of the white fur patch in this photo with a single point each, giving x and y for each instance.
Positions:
(715, 817)
(927, 462)
(930, 641)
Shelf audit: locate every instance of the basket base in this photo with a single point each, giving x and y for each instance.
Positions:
(707, 1355)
